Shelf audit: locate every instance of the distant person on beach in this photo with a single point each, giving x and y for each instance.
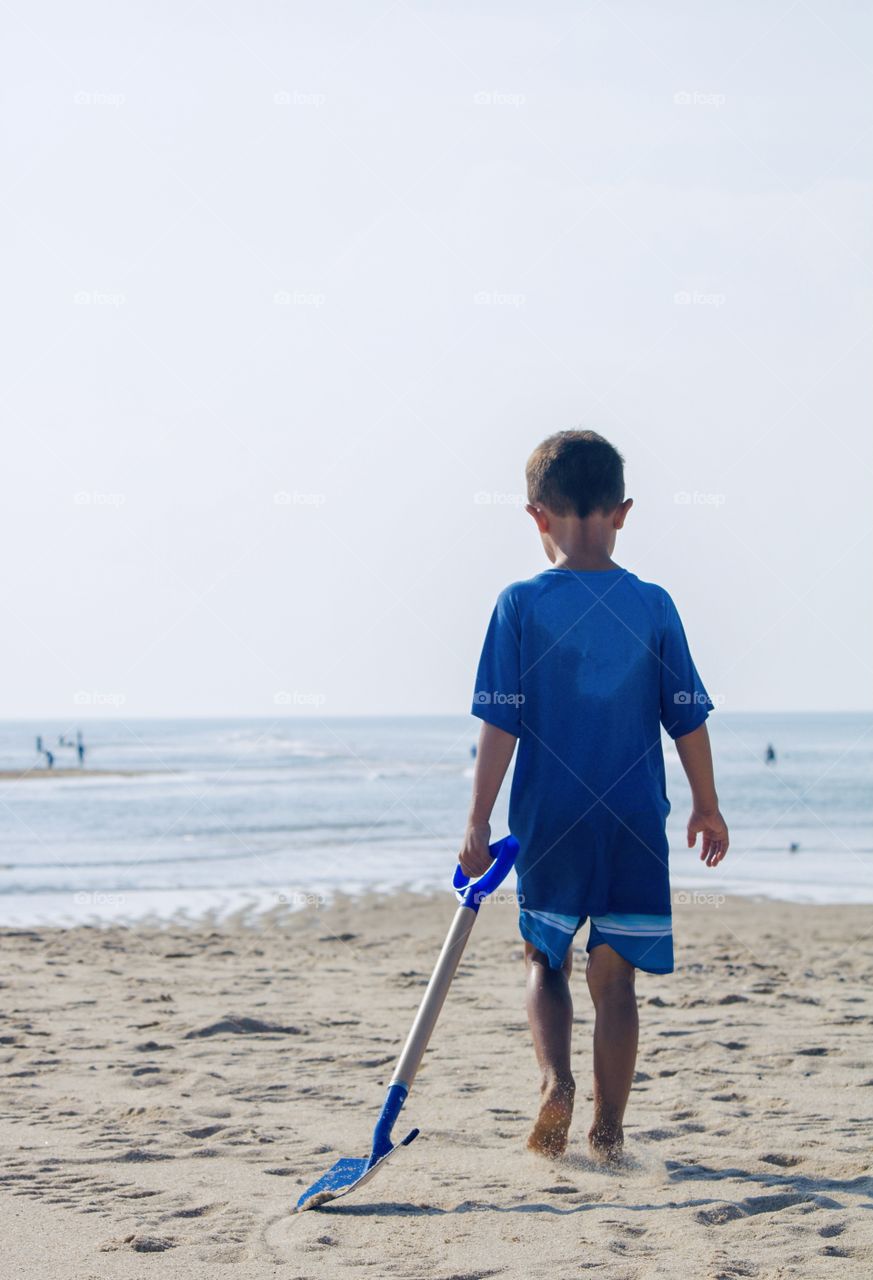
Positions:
(770, 754)
(49, 758)
(581, 667)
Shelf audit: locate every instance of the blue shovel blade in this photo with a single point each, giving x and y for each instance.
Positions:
(345, 1175)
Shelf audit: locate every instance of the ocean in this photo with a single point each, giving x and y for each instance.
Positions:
(224, 815)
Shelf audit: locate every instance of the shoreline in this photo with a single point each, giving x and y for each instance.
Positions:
(216, 908)
(40, 771)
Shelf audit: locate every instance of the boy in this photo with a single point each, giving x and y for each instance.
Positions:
(581, 666)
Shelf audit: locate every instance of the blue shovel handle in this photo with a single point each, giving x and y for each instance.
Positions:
(472, 893)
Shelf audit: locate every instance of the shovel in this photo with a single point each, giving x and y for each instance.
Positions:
(347, 1174)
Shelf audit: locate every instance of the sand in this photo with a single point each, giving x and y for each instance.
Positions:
(168, 1092)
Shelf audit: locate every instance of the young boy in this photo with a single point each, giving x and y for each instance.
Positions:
(582, 665)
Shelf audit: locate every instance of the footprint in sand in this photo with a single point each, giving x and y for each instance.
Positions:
(150, 1244)
(53, 1183)
(206, 1131)
(198, 1211)
(230, 1025)
(831, 1230)
(754, 1205)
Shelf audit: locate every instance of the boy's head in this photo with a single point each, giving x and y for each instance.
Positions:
(575, 473)
(575, 491)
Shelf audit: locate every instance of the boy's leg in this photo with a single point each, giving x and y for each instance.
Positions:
(550, 1014)
(616, 1030)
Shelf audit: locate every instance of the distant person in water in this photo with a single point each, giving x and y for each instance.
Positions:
(49, 758)
(770, 754)
(39, 744)
(80, 751)
(582, 666)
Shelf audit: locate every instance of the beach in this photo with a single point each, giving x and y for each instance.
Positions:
(170, 1089)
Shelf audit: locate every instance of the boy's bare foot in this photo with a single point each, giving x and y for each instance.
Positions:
(606, 1141)
(549, 1134)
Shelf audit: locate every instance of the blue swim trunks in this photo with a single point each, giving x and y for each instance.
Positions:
(645, 941)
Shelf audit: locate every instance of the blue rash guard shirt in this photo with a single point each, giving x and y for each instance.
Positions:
(584, 668)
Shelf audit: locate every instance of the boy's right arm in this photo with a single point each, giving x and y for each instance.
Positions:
(492, 760)
(696, 756)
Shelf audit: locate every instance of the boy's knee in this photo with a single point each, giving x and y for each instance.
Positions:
(609, 975)
(533, 956)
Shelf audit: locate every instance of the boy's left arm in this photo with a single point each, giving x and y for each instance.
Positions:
(696, 756)
(492, 760)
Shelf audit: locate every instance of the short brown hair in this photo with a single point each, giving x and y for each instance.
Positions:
(575, 472)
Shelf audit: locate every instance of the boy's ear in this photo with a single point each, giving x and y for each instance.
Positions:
(540, 517)
(621, 513)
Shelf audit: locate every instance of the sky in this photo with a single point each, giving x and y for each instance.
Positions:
(292, 291)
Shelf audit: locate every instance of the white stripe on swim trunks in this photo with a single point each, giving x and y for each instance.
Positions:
(608, 924)
(557, 922)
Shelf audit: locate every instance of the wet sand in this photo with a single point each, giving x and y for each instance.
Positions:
(40, 771)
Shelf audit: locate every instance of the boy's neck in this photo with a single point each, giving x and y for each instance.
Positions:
(585, 543)
(581, 544)
(584, 561)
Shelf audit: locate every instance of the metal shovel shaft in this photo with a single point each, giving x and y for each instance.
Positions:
(434, 997)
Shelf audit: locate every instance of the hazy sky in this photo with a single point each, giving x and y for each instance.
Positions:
(291, 291)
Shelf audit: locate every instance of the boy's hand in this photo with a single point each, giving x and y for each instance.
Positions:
(715, 841)
(474, 856)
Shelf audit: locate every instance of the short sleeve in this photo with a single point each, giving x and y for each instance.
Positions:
(497, 698)
(685, 704)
